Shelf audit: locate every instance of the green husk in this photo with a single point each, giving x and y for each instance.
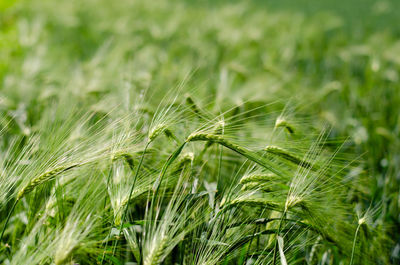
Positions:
(45, 177)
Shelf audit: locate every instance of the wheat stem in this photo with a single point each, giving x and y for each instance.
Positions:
(130, 192)
(276, 235)
(8, 218)
(354, 244)
(165, 167)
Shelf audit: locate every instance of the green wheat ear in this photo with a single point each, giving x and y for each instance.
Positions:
(254, 202)
(156, 254)
(171, 135)
(193, 106)
(47, 176)
(252, 156)
(263, 181)
(278, 151)
(157, 130)
(128, 158)
(282, 122)
(258, 177)
(234, 147)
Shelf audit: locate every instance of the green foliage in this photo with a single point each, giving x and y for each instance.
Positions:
(174, 132)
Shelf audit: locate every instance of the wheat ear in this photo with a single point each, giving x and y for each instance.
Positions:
(234, 147)
(47, 176)
(125, 156)
(278, 151)
(155, 256)
(282, 122)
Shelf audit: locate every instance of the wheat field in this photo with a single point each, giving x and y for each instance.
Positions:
(199, 132)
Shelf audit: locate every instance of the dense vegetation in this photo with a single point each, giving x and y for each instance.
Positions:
(173, 132)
